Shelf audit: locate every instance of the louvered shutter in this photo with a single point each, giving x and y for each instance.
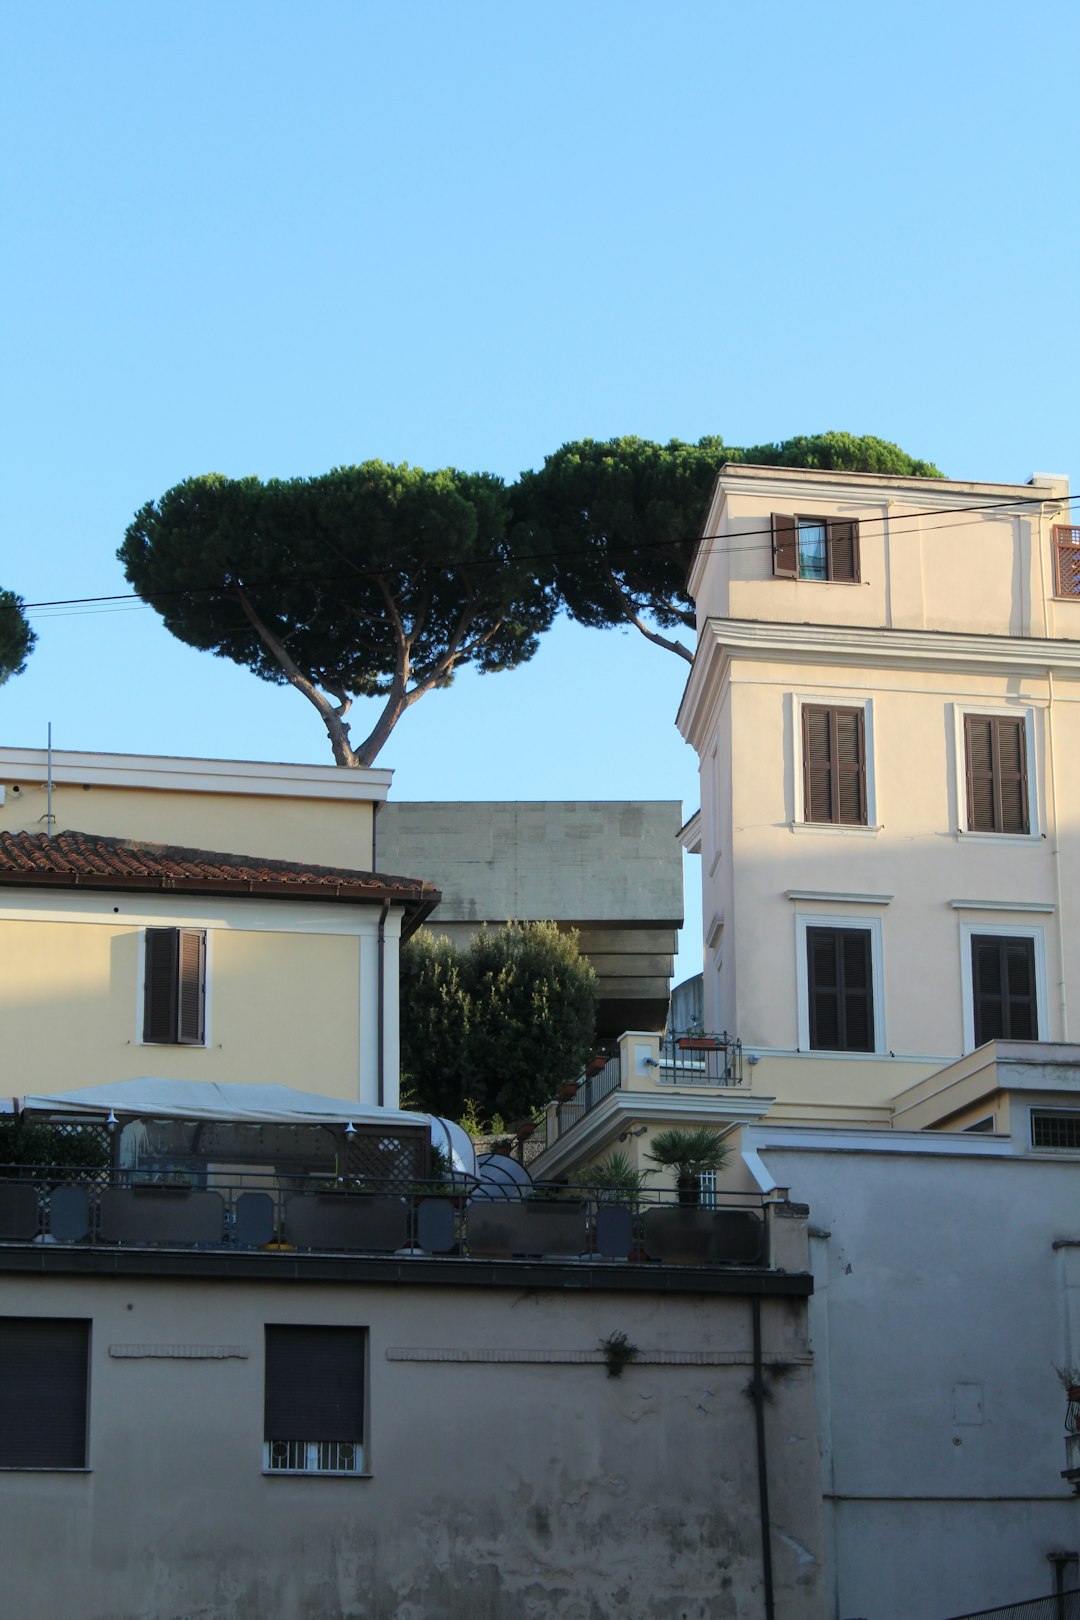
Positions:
(843, 548)
(314, 1384)
(1012, 775)
(785, 546)
(191, 987)
(823, 984)
(44, 1367)
(817, 764)
(858, 1009)
(997, 787)
(840, 989)
(161, 984)
(1003, 985)
(850, 766)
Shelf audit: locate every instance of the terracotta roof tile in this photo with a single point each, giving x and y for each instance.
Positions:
(92, 861)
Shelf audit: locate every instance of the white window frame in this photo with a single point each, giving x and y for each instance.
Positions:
(140, 988)
(830, 700)
(870, 925)
(995, 711)
(996, 930)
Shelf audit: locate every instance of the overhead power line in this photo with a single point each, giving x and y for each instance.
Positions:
(133, 599)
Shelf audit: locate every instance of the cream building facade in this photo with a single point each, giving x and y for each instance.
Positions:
(885, 701)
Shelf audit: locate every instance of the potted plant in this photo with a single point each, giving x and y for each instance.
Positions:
(567, 1091)
(690, 1153)
(698, 1043)
(596, 1064)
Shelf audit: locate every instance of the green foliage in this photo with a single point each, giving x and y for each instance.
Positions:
(622, 517)
(24, 1142)
(618, 1352)
(16, 637)
(689, 1152)
(375, 581)
(613, 1176)
(496, 1027)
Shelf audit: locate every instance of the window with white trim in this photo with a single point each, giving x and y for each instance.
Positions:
(996, 787)
(174, 987)
(839, 986)
(1003, 973)
(834, 764)
(314, 1400)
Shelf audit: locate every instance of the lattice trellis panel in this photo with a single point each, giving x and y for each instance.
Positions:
(1066, 560)
(401, 1154)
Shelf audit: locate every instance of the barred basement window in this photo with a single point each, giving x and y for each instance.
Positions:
(314, 1400)
(44, 1373)
(174, 987)
(1057, 1128)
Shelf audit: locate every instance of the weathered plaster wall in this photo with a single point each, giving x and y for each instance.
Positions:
(500, 1489)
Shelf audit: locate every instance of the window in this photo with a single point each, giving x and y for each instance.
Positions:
(815, 548)
(1003, 987)
(834, 765)
(1066, 560)
(1055, 1128)
(314, 1400)
(174, 987)
(996, 764)
(840, 995)
(44, 1371)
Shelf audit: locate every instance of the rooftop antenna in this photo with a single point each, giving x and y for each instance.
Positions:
(49, 817)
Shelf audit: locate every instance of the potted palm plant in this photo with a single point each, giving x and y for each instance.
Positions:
(690, 1153)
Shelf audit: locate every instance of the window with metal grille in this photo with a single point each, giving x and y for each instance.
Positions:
(1066, 560)
(314, 1400)
(834, 765)
(1003, 988)
(1056, 1128)
(995, 749)
(815, 548)
(44, 1373)
(840, 989)
(174, 987)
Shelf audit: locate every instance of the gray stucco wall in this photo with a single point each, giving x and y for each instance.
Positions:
(510, 1476)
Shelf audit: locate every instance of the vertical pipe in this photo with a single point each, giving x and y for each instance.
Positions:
(763, 1478)
(381, 1014)
(48, 784)
(1056, 835)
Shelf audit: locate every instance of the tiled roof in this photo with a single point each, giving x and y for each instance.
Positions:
(89, 860)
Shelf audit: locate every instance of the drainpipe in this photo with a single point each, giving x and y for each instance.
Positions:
(381, 1009)
(758, 1391)
(1057, 853)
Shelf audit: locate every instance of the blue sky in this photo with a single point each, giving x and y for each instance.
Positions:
(271, 238)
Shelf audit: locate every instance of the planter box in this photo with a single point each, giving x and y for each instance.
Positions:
(697, 1043)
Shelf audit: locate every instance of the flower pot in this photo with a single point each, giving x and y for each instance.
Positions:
(596, 1065)
(524, 1130)
(697, 1043)
(567, 1092)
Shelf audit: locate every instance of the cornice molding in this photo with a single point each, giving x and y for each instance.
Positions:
(159, 772)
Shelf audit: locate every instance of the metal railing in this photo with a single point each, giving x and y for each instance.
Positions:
(459, 1218)
(592, 1089)
(691, 1059)
(1059, 1606)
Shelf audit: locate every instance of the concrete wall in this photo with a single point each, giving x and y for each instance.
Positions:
(939, 1318)
(509, 1476)
(292, 992)
(611, 870)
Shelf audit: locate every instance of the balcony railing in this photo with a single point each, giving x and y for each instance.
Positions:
(592, 1089)
(41, 1205)
(689, 1059)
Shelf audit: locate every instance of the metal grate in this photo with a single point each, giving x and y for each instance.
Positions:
(1058, 1128)
(1066, 560)
(313, 1457)
(1059, 1606)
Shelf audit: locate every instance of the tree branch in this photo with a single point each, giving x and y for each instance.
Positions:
(332, 718)
(661, 641)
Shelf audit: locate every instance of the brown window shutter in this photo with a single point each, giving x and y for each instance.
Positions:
(191, 987)
(979, 748)
(1003, 985)
(840, 989)
(850, 768)
(997, 786)
(1011, 775)
(785, 547)
(160, 985)
(818, 798)
(843, 550)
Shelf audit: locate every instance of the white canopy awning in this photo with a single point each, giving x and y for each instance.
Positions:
(150, 1098)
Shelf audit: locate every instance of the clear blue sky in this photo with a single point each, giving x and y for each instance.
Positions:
(272, 238)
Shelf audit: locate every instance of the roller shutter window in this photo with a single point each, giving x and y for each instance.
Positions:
(995, 748)
(175, 987)
(1003, 986)
(44, 1373)
(314, 1399)
(834, 765)
(840, 989)
(815, 548)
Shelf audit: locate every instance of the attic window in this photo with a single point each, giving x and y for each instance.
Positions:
(815, 548)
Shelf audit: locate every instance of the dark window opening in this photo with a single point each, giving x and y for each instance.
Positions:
(44, 1373)
(1003, 988)
(314, 1400)
(840, 989)
(1057, 1128)
(174, 1005)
